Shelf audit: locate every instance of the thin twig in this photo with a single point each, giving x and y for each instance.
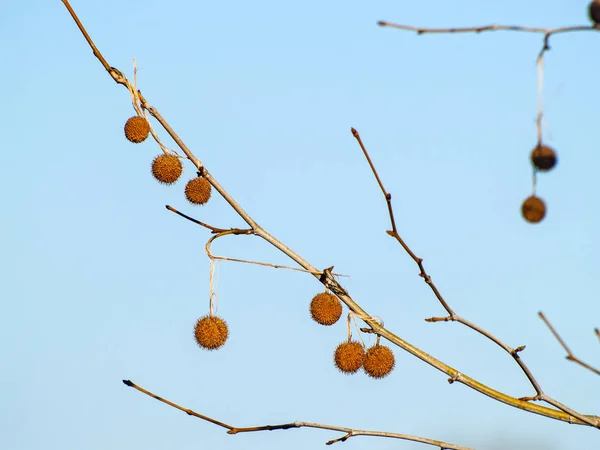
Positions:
(493, 27)
(191, 219)
(547, 32)
(570, 356)
(275, 266)
(286, 426)
(514, 352)
(334, 286)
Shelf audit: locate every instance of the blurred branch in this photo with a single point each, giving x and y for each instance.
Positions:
(452, 316)
(570, 356)
(286, 426)
(328, 279)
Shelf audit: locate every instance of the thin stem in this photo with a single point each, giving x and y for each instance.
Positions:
(191, 219)
(493, 27)
(570, 356)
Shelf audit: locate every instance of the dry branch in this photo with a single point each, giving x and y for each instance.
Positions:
(349, 432)
(546, 32)
(570, 356)
(328, 279)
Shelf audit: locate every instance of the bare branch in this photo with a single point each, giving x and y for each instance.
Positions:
(570, 356)
(286, 426)
(191, 219)
(332, 284)
(547, 32)
(493, 27)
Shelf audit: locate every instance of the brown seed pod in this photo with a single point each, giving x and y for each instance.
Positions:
(379, 361)
(198, 190)
(594, 11)
(166, 168)
(533, 209)
(137, 129)
(349, 357)
(211, 332)
(543, 158)
(325, 308)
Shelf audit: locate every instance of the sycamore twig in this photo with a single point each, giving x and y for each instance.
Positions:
(452, 316)
(349, 432)
(570, 356)
(212, 229)
(494, 27)
(328, 279)
(547, 33)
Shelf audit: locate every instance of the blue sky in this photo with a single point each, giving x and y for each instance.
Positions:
(102, 283)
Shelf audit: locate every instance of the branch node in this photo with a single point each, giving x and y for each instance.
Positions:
(440, 319)
(515, 351)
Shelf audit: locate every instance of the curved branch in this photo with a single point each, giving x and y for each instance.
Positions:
(297, 424)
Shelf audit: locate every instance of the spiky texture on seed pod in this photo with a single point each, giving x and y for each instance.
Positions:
(533, 209)
(167, 168)
(594, 11)
(198, 190)
(137, 129)
(349, 357)
(543, 157)
(379, 361)
(325, 308)
(211, 332)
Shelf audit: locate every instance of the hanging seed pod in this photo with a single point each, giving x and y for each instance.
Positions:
(594, 11)
(167, 168)
(379, 361)
(211, 332)
(198, 191)
(325, 308)
(349, 356)
(543, 158)
(137, 129)
(533, 209)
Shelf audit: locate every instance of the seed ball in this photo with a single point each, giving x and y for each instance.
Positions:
(137, 129)
(325, 308)
(349, 357)
(533, 209)
(211, 332)
(543, 158)
(379, 361)
(167, 168)
(594, 11)
(198, 190)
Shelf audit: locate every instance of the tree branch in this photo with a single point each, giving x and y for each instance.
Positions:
(297, 424)
(570, 356)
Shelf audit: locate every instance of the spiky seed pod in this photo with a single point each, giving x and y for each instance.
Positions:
(166, 168)
(137, 129)
(594, 11)
(198, 190)
(349, 357)
(533, 209)
(325, 308)
(211, 332)
(543, 157)
(379, 361)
